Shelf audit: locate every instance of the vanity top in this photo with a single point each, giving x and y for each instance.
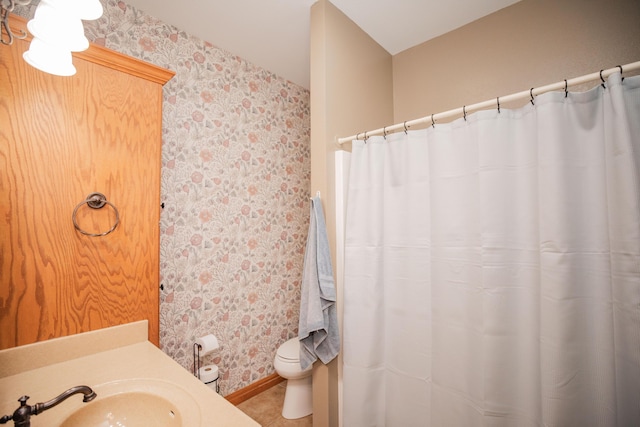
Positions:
(45, 369)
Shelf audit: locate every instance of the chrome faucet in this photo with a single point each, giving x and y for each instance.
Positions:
(22, 416)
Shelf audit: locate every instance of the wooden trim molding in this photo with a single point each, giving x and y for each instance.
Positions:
(106, 57)
(109, 58)
(237, 397)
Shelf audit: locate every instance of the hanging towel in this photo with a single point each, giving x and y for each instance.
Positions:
(318, 326)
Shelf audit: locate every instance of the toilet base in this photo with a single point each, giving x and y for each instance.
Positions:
(298, 399)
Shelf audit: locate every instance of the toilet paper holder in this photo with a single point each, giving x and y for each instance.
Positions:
(196, 359)
(206, 345)
(197, 348)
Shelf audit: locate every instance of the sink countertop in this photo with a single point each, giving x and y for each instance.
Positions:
(136, 359)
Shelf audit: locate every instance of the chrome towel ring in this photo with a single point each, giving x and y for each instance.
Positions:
(95, 201)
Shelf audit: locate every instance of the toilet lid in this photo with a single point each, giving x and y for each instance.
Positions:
(290, 350)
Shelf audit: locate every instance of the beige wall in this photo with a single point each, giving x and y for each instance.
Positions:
(528, 44)
(351, 91)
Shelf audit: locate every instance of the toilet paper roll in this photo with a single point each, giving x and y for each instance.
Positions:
(208, 373)
(208, 343)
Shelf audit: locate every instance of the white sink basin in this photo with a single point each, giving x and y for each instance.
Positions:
(137, 403)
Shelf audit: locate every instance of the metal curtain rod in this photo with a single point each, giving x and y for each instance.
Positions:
(527, 94)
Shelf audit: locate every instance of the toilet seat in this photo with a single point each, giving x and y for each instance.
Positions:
(289, 351)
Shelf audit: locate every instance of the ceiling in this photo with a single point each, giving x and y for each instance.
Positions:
(274, 34)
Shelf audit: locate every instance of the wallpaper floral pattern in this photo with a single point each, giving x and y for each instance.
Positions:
(235, 184)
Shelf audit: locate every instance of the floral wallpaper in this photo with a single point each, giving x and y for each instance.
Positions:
(235, 185)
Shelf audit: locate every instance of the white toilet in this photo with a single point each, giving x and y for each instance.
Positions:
(298, 400)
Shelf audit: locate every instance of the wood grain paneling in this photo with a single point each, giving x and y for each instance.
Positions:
(62, 138)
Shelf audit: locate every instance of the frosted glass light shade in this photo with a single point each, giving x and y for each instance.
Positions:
(50, 59)
(58, 28)
(83, 9)
(88, 9)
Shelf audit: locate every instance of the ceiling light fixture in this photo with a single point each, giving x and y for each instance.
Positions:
(57, 31)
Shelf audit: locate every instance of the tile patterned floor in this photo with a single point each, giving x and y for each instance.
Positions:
(266, 409)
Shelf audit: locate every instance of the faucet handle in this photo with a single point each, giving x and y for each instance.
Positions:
(6, 418)
(21, 414)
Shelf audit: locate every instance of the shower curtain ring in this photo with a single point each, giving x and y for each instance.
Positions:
(566, 88)
(464, 112)
(620, 66)
(601, 78)
(384, 132)
(531, 93)
(498, 102)
(405, 126)
(433, 123)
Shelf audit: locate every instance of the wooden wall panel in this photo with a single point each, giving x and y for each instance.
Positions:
(62, 138)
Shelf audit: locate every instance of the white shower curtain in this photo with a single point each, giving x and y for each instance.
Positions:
(492, 268)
